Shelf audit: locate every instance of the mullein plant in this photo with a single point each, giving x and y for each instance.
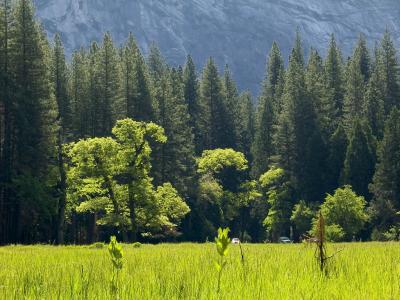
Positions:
(116, 255)
(222, 242)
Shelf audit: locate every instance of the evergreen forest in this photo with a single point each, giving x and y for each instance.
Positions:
(112, 141)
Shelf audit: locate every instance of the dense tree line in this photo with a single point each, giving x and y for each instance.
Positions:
(191, 147)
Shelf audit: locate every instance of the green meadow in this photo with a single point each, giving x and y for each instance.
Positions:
(187, 271)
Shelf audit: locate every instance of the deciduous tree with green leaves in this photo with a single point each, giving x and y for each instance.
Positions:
(111, 176)
(223, 185)
(345, 211)
(278, 193)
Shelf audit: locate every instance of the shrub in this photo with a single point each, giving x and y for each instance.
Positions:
(137, 245)
(393, 234)
(377, 235)
(345, 209)
(334, 233)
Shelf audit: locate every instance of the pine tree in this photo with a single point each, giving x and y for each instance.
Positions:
(362, 58)
(157, 71)
(191, 94)
(137, 96)
(6, 119)
(109, 73)
(213, 111)
(360, 158)
(246, 125)
(317, 152)
(36, 105)
(297, 127)
(334, 77)
(231, 103)
(337, 154)
(373, 109)
(389, 73)
(35, 119)
(128, 64)
(320, 96)
(60, 82)
(179, 149)
(268, 108)
(297, 52)
(83, 110)
(161, 93)
(386, 181)
(156, 63)
(354, 94)
(91, 85)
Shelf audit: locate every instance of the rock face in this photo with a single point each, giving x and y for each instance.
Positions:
(235, 32)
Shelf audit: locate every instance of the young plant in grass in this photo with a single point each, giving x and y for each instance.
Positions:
(116, 255)
(222, 242)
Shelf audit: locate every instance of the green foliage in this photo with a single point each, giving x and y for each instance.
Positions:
(174, 161)
(303, 124)
(278, 194)
(116, 253)
(213, 161)
(271, 177)
(213, 116)
(346, 210)
(297, 137)
(136, 85)
(373, 109)
(267, 111)
(387, 68)
(222, 188)
(191, 95)
(393, 234)
(386, 181)
(334, 233)
(232, 107)
(354, 95)
(245, 124)
(302, 216)
(172, 208)
(222, 242)
(337, 154)
(109, 86)
(112, 176)
(334, 78)
(137, 245)
(360, 158)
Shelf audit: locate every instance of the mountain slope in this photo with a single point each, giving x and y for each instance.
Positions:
(235, 32)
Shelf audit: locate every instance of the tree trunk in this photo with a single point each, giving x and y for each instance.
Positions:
(117, 210)
(63, 186)
(7, 147)
(132, 214)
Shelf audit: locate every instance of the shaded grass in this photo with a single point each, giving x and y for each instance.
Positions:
(187, 271)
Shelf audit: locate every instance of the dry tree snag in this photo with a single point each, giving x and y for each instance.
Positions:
(320, 252)
(320, 240)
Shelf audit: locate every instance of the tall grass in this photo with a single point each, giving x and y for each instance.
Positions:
(186, 271)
